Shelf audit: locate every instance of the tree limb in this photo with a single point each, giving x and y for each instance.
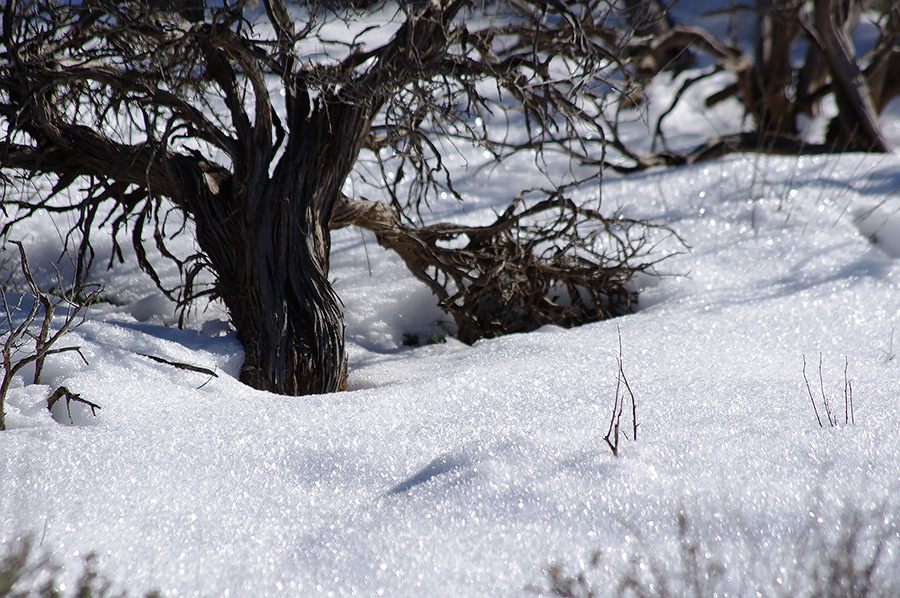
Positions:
(857, 113)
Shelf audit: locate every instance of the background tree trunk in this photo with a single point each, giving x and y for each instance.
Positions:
(765, 87)
(856, 124)
(650, 18)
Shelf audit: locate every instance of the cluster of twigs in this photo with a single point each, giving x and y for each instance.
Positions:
(831, 415)
(612, 435)
(15, 352)
(551, 262)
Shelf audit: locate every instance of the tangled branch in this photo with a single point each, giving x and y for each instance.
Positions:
(552, 262)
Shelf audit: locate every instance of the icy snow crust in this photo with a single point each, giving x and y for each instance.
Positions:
(450, 470)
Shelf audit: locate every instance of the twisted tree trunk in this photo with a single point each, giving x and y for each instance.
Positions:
(267, 238)
(287, 317)
(272, 275)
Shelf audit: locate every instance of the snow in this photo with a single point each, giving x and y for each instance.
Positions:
(455, 470)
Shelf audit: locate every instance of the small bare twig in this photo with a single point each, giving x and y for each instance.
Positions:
(809, 390)
(612, 435)
(830, 416)
(614, 422)
(848, 397)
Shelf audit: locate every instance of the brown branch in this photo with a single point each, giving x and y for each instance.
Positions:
(689, 37)
(70, 396)
(856, 113)
(139, 85)
(83, 152)
(181, 366)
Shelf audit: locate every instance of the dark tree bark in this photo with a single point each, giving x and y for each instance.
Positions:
(270, 253)
(270, 245)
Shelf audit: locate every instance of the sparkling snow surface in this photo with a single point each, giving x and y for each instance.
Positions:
(454, 470)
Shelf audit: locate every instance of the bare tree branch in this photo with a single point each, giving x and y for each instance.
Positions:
(14, 352)
(857, 112)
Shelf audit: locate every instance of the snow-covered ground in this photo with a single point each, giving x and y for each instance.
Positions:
(454, 470)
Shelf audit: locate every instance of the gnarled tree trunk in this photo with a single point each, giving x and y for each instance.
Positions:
(262, 218)
(287, 317)
(267, 238)
(273, 279)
